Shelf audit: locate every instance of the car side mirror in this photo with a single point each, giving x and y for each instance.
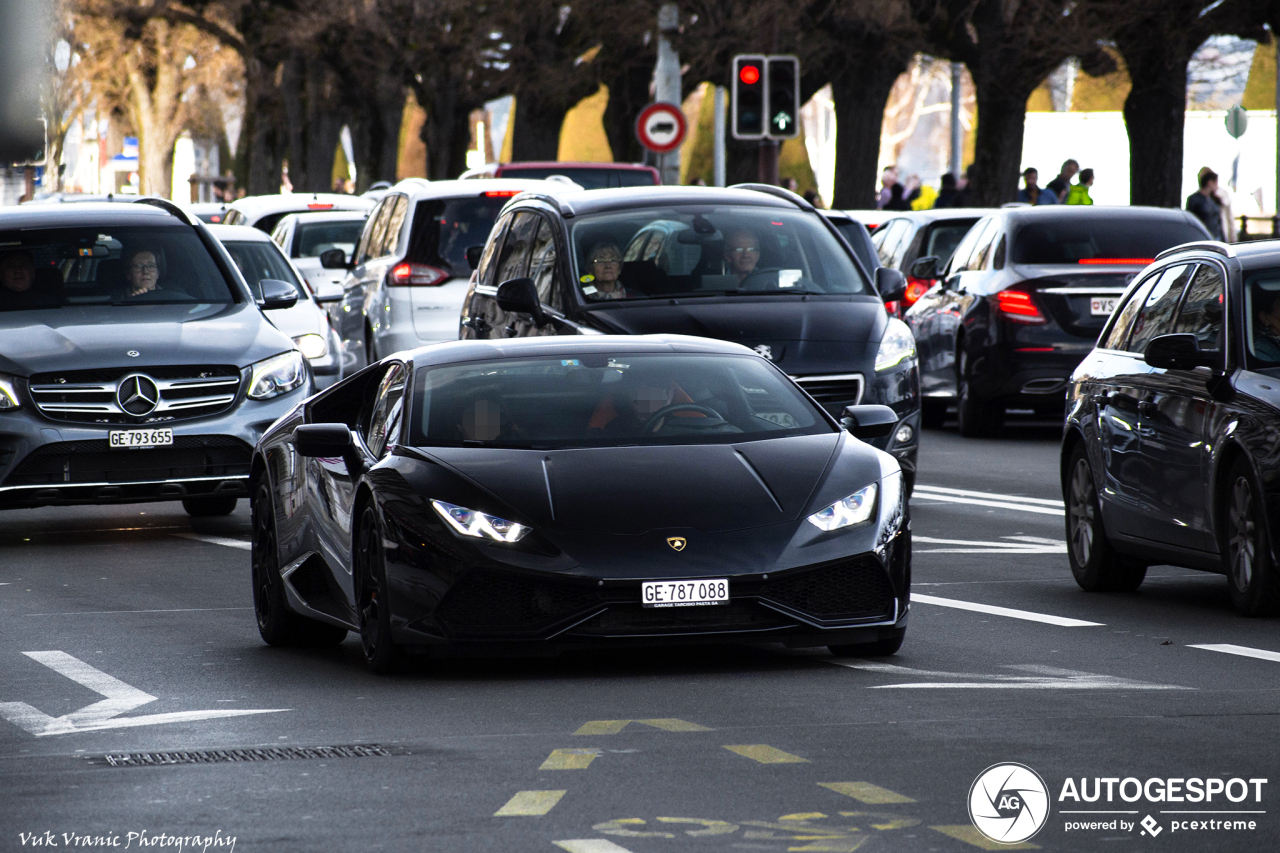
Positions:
(869, 421)
(334, 259)
(925, 268)
(328, 292)
(520, 296)
(277, 294)
(473, 256)
(1178, 352)
(323, 440)
(891, 284)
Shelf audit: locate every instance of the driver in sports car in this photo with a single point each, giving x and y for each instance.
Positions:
(629, 412)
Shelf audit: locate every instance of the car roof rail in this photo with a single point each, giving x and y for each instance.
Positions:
(1221, 248)
(779, 192)
(566, 209)
(169, 207)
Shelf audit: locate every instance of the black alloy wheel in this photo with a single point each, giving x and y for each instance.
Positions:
(380, 650)
(1250, 569)
(208, 507)
(1094, 562)
(876, 649)
(933, 413)
(278, 625)
(977, 418)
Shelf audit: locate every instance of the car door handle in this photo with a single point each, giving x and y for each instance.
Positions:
(478, 325)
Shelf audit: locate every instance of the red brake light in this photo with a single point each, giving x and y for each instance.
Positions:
(916, 287)
(215, 219)
(417, 275)
(1137, 262)
(320, 205)
(500, 193)
(1018, 307)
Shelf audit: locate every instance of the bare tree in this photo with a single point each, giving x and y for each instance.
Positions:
(63, 92)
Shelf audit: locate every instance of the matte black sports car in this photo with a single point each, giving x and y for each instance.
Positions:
(567, 491)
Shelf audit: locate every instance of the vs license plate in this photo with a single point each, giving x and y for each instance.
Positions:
(1102, 306)
(126, 438)
(684, 593)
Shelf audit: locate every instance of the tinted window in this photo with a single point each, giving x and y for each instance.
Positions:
(1201, 311)
(444, 228)
(395, 221)
(384, 422)
(109, 265)
(375, 231)
(602, 401)
(1262, 306)
(1156, 317)
(311, 239)
(588, 179)
(942, 238)
(542, 261)
(981, 253)
(1119, 332)
(887, 238)
(487, 265)
(1127, 238)
(262, 260)
(960, 257)
(856, 233)
(514, 262)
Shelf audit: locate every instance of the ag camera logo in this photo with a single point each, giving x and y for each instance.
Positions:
(1008, 803)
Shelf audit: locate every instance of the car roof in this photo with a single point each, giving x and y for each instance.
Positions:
(451, 352)
(421, 188)
(257, 206)
(89, 213)
(1068, 212)
(243, 233)
(327, 216)
(621, 198)
(574, 164)
(935, 214)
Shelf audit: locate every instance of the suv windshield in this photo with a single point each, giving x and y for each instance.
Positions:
(1126, 238)
(700, 250)
(258, 260)
(312, 239)
(114, 266)
(444, 228)
(609, 401)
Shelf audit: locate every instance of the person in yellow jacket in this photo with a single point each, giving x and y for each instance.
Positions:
(1079, 193)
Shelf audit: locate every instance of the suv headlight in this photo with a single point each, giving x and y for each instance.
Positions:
(277, 375)
(897, 345)
(855, 509)
(479, 525)
(8, 394)
(312, 346)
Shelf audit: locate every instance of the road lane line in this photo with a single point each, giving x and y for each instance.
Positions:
(1047, 619)
(866, 792)
(1040, 510)
(111, 612)
(590, 845)
(766, 754)
(1242, 651)
(530, 804)
(969, 834)
(968, 493)
(216, 540)
(612, 727)
(1022, 545)
(569, 759)
(1041, 678)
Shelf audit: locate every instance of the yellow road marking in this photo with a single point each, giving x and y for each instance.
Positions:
(590, 845)
(844, 846)
(766, 754)
(569, 759)
(612, 727)
(969, 835)
(866, 792)
(803, 816)
(530, 803)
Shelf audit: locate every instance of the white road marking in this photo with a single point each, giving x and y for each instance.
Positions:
(1242, 651)
(217, 540)
(1061, 621)
(590, 845)
(1039, 506)
(114, 612)
(1041, 678)
(1021, 545)
(120, 697)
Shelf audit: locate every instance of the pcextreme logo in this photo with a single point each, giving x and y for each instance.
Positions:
(1008, 803)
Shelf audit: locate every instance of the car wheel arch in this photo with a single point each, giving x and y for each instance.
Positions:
(1221, 488)
(1070, 440)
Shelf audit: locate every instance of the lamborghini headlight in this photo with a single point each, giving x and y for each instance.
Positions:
(853, 510)
(8, 394)
(479, 525)
(277, 375)
(897, 345)
(312, 346)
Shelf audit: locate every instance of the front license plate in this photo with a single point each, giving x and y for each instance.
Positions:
(1102, 306)
(684, 593)
(125, 438)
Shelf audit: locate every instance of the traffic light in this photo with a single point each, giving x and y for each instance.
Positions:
(749, 82)
(782, 104)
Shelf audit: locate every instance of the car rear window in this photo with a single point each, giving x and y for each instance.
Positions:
(943, 237)
(262, 260)
(107, 265)
(312, 239)
(1123, 238)
(444, 228)
(600, 400)
(588, 179)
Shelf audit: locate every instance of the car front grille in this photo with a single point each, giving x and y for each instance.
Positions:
(497, 605)
(850, 589)
(169, 394)
(94, 461)
(833, 389)
(634, 619)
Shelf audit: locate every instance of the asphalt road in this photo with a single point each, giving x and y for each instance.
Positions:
(129, 631)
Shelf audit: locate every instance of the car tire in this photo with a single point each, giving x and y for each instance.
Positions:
(1095, 564)
(933, 413)
(1246, 551)
(876, 649)
(278, 625)
(373, 608)
(976, 418)
(209, 507)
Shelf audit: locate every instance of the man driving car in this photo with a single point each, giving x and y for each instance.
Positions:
(741, 253)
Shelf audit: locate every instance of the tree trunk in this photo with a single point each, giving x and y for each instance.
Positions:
(628, 95)
(323, 129)
(1002, 94)
(1154, 115)
(536, 133)
(859, 94)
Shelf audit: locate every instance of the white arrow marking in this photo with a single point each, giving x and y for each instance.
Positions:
(1043, 678)
(217, 540)
(100, 715)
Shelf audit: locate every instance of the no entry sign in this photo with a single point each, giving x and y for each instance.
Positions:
(661, 127)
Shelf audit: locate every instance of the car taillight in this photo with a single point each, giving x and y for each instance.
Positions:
(417, 275)
(1018, 307)
(500, 193)
(320, 205)
(916, 287)
(894, 308)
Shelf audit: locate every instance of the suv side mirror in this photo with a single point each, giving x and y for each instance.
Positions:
(891, 284)
(1178, 352)
(869, 421)
(324, 440)
(520, 296)
(925, 268)
(473, 256)
(277, 294)
(334, 259)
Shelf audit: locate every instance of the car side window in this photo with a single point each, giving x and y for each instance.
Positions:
(542, 262)
(997, 259)
(982, 251)
(484, 270)
(383, 430)
(886, 239)
(514, 260)
(1119, 331)
(960, 257)
(281, 237)
(1157, 315)
(904, 243)
(395, 223)
(373, 232)
(1201, 311)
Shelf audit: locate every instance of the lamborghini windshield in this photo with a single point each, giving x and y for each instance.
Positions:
(603, 401)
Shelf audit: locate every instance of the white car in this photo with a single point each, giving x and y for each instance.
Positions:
(303, 237)
(306, 322)
(265, 211)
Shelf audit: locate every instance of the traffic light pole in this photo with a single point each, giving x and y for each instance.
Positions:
(768, 168)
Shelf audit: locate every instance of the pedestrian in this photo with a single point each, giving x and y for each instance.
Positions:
(888, 178)
(896, 199)
(1203, 204)
(1079, 193)
(968, 193)
(924, 197)
(1061, 185)
(1032, 193)
(1222, 195)
(947, 196)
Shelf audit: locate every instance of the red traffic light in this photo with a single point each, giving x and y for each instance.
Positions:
(749, 74)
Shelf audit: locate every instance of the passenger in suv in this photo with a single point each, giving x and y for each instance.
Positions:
(108, 398)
